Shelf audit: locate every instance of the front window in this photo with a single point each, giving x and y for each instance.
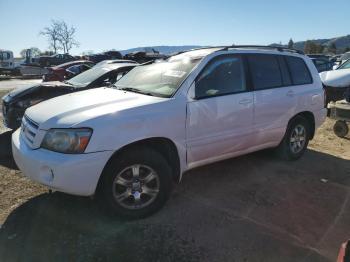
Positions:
(88, 76)
(345, 65)
(161, 78)
(4, 56)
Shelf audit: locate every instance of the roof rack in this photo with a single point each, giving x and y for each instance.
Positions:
(278, 48)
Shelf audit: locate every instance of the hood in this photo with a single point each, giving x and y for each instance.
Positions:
(336, 78)
(70, 110)
(28, 89)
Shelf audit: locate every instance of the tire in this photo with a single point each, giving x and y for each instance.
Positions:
(119, 181)
(289, 150)
(340, 128)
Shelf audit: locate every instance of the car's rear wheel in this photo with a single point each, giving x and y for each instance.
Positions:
(137, 183)
(340, 128)
(296, 139)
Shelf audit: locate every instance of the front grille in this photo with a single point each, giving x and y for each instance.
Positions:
(29, 129)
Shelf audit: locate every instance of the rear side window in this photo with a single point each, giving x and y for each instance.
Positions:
(223, 75)
(284, 71)
(298, 70)
(265, 71)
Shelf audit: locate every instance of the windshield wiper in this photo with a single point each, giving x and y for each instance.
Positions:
(67, 82)
(135, 90)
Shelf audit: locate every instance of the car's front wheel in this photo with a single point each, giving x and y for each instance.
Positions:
(296, 139)
(137, 183)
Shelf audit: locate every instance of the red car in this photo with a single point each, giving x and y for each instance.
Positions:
(344, 253)
(61, 72)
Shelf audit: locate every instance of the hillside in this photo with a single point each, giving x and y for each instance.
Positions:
(341, 42)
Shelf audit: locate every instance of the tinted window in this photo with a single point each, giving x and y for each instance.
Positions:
(265, 71)
(223, 75)
(284, 71)
(299, 71)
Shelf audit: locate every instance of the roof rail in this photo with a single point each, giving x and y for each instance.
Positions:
(195, 49)
(278, 48)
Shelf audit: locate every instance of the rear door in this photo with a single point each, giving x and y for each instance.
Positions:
(219, 118)
(274, 99)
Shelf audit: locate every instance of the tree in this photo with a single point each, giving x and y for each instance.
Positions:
(332, 48)
(52, 35)
(313, 48)
(66, 37)
(34, 52)
(60, 36)
(291, 43)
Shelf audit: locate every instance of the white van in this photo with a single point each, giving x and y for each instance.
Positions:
(129, 143)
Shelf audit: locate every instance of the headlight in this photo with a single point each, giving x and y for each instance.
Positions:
(70, 141)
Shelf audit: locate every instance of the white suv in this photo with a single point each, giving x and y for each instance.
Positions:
(128, 144)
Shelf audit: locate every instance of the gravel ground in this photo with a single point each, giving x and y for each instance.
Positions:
(251, 208)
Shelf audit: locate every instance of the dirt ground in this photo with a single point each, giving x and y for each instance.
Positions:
(251, 208)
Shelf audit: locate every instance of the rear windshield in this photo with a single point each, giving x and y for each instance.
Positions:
(88, 76)
(161, 78)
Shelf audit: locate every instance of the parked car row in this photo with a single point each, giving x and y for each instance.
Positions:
(127, 144)
(58, 59)
(67, 70)
(16, 102)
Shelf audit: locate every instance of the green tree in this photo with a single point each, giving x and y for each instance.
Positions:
(291, 43)
(332, 48)
(313, 48)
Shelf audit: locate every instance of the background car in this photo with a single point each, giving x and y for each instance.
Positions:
(52, 60)
(16, 102)
(336, 82)
(96, 58)
(322, 64)
(60, 73)
(115, 61)
(344, 57)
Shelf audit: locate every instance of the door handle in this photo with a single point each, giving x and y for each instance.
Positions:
(290, 93)
(245, 101)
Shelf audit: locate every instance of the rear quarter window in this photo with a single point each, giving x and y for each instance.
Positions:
(265, 71)
(299, 71)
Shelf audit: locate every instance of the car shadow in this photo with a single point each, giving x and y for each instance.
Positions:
(240, 209)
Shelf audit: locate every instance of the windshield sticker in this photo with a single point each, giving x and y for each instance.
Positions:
(174, 73)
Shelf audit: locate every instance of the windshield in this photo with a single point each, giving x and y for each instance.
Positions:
(161, 78)
(345, 56)
(345, 65)
(88, 76)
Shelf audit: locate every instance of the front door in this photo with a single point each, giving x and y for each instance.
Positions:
(220, 117)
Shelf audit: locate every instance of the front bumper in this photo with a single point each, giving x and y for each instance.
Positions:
(75, 174)
(12, 116)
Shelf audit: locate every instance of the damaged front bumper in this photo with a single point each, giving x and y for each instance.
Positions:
(12, 116)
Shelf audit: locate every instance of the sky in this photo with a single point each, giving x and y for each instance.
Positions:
(113, 24)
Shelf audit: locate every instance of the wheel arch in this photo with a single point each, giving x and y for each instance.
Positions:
(162, 145)
(309, 116)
